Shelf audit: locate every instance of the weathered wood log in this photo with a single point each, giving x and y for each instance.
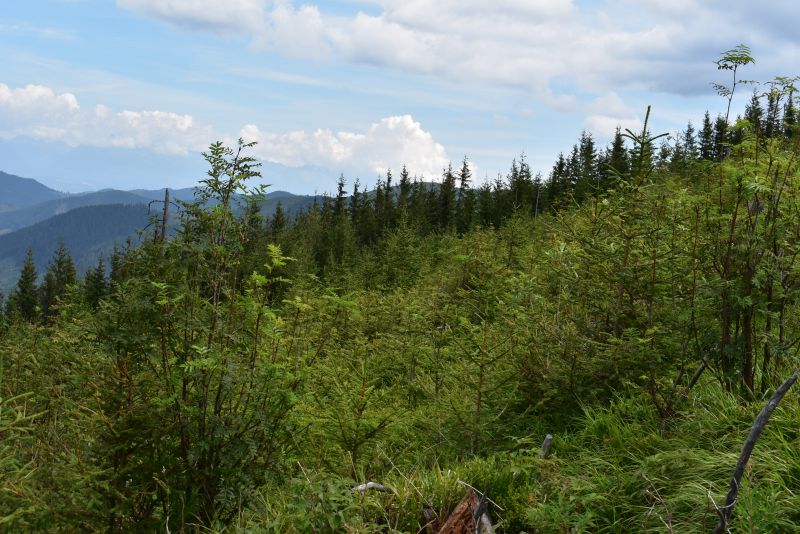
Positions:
(463, 518)
(755, 432)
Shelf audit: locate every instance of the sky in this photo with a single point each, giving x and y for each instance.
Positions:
(128, 93)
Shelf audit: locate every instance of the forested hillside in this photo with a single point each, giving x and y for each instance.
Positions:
(249, 373)
(89, 233)
(12, 220)
(16, 192)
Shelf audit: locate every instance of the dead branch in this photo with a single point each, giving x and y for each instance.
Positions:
(726, 511)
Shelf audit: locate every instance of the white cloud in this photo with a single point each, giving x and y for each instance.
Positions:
(228, 16)
(666, 45)
(388, 143)
(608, 112)
(38, 111)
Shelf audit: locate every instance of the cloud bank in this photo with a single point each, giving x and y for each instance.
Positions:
(530, 44)
(388, 143)
(39, 112)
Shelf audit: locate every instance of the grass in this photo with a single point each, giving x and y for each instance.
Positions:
(615, 472)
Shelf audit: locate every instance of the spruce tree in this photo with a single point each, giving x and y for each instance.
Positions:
(278, 221)
(355, 203)
(465, 209)
(59, 276)
(720, 138)
(691, 151)
(574, 169)
(588, 179)
(789, 115)
(557, 185)
(485, 204)
(389, 217)
(707, 139)
(95, 285)
(24, 299)
(404, 193)
(772, 122)
(754, 113)
(341, 197)
(447, 199)
(618, 157)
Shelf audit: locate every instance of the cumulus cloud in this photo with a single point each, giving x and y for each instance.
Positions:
(38, 111)
(606, 113)
(388, 143)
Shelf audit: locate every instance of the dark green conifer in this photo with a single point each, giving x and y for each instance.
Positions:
(707, 139)
(691, 150)
(95, 285)
(588, 178)
(404, 192)
(447, 199)
(720, 138)
(618, 157)
(465, 210)
(789, 115)
(24, 299)
(278, 221)
(772, 122)
(59, 276)
(754, 113)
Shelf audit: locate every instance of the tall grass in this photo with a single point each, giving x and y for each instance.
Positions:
(616, 472)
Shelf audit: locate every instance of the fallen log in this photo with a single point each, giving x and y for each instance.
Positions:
(468, 517)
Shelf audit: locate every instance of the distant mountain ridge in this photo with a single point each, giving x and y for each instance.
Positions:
(35, 216)
(88, 232)
(18, 218)
(18, 192)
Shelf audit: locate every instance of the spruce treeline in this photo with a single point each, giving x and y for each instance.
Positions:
(36, 298)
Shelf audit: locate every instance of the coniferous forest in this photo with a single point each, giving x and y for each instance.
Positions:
(243, 373)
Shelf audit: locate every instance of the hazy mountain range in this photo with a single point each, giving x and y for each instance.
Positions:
(35, 216)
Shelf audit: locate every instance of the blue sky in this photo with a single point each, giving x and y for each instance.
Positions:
(126, 93)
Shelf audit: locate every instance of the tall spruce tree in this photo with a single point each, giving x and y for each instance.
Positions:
(278, 221)
(789, 115)
(618, 158)
(447, 199)
(691, 150)
(707, 138)
(754, 113)
(772, 122)
(404, 193)
(95, 285)
(720, 138)
(465, 209)
(59, 276)
(588, 181)
(24, 299)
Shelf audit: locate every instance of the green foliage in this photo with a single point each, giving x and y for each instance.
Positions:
(23, 302)
(247, 375)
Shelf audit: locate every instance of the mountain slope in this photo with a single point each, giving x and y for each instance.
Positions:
(21, 217)
(18, 192)
(88, 232)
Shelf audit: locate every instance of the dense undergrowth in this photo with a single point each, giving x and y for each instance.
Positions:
(613, 471)
(243, 375)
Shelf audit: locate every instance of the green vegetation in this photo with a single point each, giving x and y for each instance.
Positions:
(245, 373)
